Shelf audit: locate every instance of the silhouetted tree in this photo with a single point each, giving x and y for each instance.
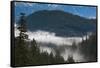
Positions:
(89, 48)
(74, 46)
(70, 59)
(22, 27)
(21, 51)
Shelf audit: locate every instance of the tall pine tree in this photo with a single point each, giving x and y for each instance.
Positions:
(21, 51)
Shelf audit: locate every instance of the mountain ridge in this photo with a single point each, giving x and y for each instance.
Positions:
(60, 22)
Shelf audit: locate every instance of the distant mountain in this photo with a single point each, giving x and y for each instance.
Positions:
(60, 22)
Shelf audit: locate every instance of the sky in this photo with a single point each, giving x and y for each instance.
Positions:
(28, 8)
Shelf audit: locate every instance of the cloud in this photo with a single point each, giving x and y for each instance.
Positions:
(24, 4)
(30, 4)
(16, 30)
(50, 37)
(92, 17)
(53, 5)
(76, 11)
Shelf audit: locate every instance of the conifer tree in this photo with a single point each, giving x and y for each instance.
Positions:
(22, 27)
(70, 59)
(20, 44)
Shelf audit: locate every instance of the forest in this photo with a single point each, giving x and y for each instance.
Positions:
(26, 53)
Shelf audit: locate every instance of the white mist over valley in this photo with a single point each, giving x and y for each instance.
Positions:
(63, 44)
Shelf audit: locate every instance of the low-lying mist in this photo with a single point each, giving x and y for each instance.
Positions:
(49, 42)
